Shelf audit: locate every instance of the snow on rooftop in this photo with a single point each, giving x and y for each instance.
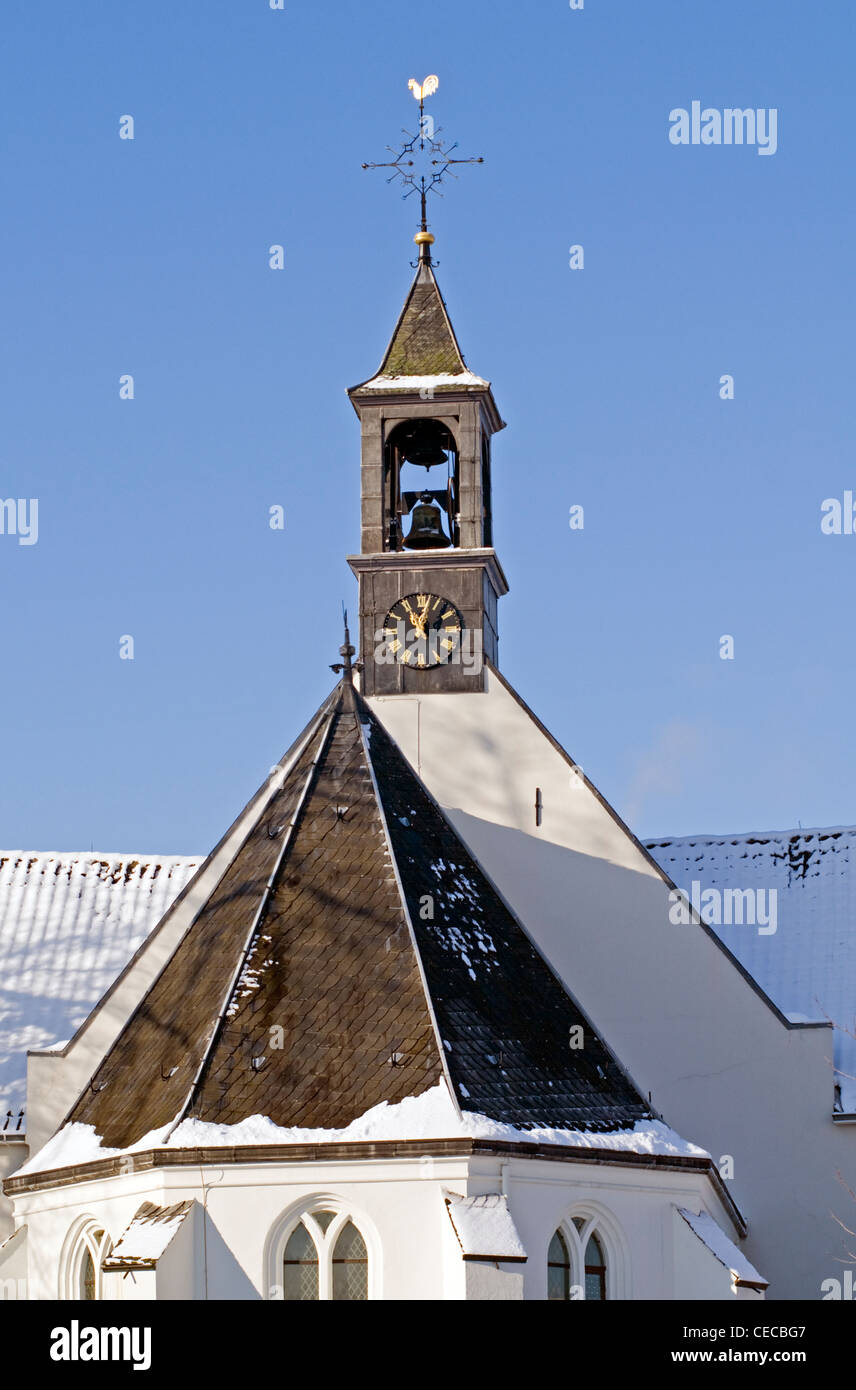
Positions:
(484, 1227)
(718, 1243)
(431, 1115)
(439, 382)
(142, 1243)
(808, 965)
(69, 923)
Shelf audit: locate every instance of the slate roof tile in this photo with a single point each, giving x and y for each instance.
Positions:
(337, 959)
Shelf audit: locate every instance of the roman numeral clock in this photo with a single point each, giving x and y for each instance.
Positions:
(424, 630)
(429, 578)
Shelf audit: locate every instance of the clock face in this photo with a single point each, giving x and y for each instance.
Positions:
(423, 630)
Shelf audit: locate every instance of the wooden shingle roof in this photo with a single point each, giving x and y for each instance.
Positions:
(353, 953)
(423, 350)
(424, 342)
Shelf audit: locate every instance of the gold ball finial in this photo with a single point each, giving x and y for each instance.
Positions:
(424, 240)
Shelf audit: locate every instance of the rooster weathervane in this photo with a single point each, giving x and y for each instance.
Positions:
(424, 160)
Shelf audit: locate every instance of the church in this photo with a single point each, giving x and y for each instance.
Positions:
(422, 1025)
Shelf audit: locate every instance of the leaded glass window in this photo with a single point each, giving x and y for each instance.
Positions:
(558, 1268)
(300, 1267)
(595, 1269)
(350, 1265)
(80, 1275)
(576, 1264)
(87, 1276)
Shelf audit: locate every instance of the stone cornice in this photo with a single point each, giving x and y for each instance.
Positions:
(148, 1160)
(483, 558)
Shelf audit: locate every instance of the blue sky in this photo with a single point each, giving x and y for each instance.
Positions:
(150, 257)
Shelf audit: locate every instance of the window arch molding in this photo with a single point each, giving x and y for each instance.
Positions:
(599, 1221)
(288, 1222)
(84, 1248)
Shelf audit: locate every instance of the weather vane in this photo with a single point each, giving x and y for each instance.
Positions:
(424, 160)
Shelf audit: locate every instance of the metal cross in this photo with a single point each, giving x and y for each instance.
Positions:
(437, 156)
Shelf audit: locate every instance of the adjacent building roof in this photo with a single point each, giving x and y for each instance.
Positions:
(354, 953)
(807, 962)
(69, 923)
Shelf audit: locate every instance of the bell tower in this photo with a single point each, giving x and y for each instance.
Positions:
(429, 577)
(428, 574)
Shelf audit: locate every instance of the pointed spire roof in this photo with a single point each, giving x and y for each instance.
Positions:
(423, 349)
(354, 952)
(424, 341)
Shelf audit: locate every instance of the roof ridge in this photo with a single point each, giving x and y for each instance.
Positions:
(726, 837)
(259, 915)
(361, 708)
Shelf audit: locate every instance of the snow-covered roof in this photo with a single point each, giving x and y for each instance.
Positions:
(438, 381)
(69, 923)
(431, 1115)
(718, 1243)
(484, 1227)
(142, 1243)
(807, 965)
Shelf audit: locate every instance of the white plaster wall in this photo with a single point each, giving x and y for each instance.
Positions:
(634, 1211)
(180, 1266)
(398, 1205)
(138, 1286)
(722, 1066)
(13, 1266)
(395, 1206)
(492, 1282)
(13, 1153)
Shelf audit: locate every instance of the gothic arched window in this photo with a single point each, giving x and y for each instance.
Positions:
(595, 1269)
(558, 1268)
(81, 1275)
(300, 1266)
(325, 1258)
(576, 1262)
(350, 1265)
(87, 1276)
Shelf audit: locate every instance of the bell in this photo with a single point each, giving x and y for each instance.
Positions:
(426, 527)
(421, 444)
(425, 452)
